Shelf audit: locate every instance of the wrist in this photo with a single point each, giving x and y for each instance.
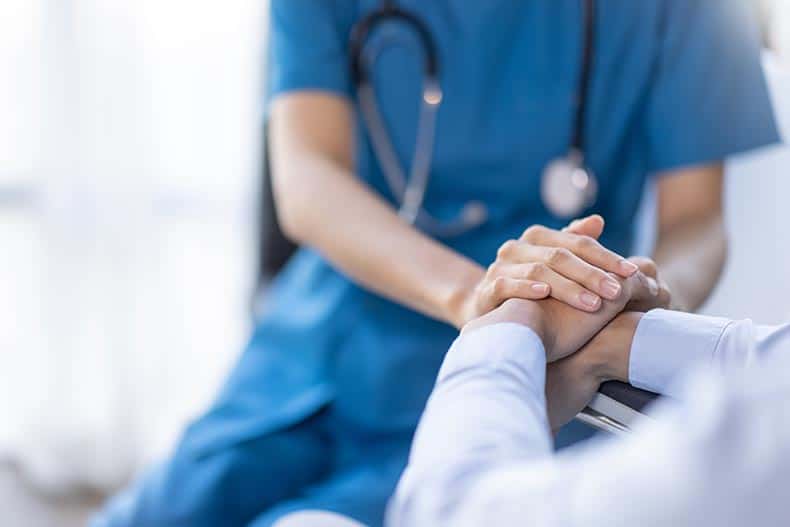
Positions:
(459, 304)
(612, 348)
(531, 315)
(516, 311)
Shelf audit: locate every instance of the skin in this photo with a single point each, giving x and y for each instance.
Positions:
(322, 204)
(573, 381)
(690, 224)
(572, 263)
(562, 328)
(692, 242)
(573, 377)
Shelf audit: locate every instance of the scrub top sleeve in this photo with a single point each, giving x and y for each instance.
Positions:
(709, 97)
(308, 46)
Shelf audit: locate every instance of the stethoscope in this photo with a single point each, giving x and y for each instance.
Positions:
(568, 186)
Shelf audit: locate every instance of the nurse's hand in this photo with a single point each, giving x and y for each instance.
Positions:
(566, 265)
(663, 298)
(647, 266)
(572, 382)
(562, 328)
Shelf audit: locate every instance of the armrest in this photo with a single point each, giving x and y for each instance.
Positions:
(616, 407)
(635, 398)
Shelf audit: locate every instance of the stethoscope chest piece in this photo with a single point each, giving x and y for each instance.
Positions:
(567, 186)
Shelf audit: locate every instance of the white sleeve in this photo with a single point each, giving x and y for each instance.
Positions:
(488, 406)
(721, 457)
(668, 344)
(482, 455)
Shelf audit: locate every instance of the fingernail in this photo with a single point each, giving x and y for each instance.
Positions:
(627, 267)
(541, 289)
(589, 299)
(611, 288)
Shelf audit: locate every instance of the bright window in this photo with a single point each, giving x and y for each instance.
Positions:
(129, 141)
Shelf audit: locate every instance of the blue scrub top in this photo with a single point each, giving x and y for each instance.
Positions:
(674, 83)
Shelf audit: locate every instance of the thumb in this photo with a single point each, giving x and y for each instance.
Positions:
(591, 226)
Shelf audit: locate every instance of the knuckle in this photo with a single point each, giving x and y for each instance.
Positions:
(584, 243)
(535, 271)
(532, 232)
(498, 286)
(596, 276)
(507, 249)
(494, 269)
(558, 256)
(646, 265)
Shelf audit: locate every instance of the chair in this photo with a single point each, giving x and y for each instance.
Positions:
(274, 249)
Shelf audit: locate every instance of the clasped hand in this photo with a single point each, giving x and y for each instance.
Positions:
(569, 265)
(570, 327)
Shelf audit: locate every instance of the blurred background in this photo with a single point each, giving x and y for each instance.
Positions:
(130, 147)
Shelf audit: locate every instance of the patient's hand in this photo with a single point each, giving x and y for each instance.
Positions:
(572, 382)
(664, 297)
(563, 329)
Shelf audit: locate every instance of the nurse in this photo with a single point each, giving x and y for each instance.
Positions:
(320, 409)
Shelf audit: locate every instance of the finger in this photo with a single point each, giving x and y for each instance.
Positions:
(562, 289)
(664, 299)
(646, 265)
(572, 267)
(584, 247)
(591, 226)
(506, 287)
(644, 288)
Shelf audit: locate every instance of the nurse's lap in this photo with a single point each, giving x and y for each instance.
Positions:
(228, 487)
(357, 494)
(316, 519)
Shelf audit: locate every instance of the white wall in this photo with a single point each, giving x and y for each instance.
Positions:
(756, 283)
(776, 22)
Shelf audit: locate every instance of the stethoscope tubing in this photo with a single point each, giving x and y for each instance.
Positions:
(409, 191)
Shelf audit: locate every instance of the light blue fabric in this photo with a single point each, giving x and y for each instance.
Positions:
(668, 343)
(674, 82)
(323, 462)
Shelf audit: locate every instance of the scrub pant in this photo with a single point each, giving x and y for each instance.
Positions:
(321, 463)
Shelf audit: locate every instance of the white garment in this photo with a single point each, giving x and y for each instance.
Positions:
(483, 455)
